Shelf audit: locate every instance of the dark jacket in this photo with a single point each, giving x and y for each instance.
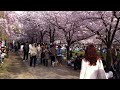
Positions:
(26, 48)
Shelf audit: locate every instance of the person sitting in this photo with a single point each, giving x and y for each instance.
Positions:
(71, 62)
(77, 62)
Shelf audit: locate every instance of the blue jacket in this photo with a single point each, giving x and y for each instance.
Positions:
(59, 52)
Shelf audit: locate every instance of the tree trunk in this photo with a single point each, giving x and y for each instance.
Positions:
(52, 39)
(108, 58)
(36, 40)
(41, 35)
(68, 52)
(101, 50)
(32, 40)
(41, 39)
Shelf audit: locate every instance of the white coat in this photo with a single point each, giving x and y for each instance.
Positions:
(92, 72)
(39, 50)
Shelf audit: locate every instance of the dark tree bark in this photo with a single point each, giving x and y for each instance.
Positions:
(68, 52)
(108, 56)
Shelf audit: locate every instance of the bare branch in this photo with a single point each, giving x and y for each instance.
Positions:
(109, 31)
(115, 30)
(117, 40)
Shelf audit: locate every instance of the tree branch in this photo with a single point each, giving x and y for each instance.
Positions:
(109, 31)
(117, 40)
(115, 30)
(97, 32)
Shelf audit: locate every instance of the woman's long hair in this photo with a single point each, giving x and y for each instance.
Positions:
(91, 55)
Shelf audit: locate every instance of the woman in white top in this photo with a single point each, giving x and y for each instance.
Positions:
(30, 46)
(39, 52)
(92, 67)
(33, 55)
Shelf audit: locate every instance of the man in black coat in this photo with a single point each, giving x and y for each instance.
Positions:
(26, 51)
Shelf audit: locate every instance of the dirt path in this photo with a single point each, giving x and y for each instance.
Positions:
(15, 68)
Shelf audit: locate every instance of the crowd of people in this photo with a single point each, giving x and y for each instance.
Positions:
(91, 65)
(41, 53)
(88, 64)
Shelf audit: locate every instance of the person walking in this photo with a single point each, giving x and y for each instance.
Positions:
(52, 53)
(42, 53)
(59, 55)
(39, 52)
(92, 66)
(33, 55)
(26, 51)
(46, 57)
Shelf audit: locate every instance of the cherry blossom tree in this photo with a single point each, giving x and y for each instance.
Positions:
(72, 28)
(107, 25)
(3, 26)
(32, 28)
(68, 26)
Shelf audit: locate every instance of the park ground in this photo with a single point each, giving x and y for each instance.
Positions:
(15, 68)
